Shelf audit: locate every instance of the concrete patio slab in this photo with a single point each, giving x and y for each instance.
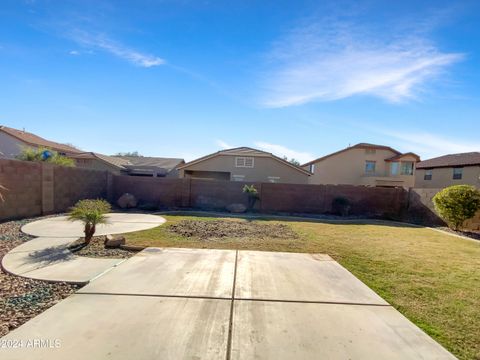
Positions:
(279, 330)
(171, 272)
(118, 223)
(43, 243)
(298, 277)
(126, 327)
(19, 263)
(177, 303)
(78, 270)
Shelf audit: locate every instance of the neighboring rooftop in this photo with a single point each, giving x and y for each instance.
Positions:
(166, 163)
(451, 160)
(362, 146)
(245, 151)
(135, 164)
(35, 140)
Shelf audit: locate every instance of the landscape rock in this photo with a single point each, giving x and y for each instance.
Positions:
(236, 208)
(114, 241)
(127, 201)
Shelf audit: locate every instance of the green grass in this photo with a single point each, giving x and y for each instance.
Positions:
(432, 278)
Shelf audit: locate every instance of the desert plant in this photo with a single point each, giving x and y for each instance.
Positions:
(252, 194)
(45, 155)
(341, 206)
(90, 212)
(457, 203)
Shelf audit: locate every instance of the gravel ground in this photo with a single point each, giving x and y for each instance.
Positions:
(216, 229)
(22, 299)
(96, 249)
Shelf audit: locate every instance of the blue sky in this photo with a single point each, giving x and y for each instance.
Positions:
(297, 78)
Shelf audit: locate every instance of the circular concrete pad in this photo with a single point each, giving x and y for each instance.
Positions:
(119, 223)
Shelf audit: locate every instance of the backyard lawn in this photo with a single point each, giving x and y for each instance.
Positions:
(432, 278)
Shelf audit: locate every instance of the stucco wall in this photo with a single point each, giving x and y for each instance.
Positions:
(443, 177)
(9, 146)
(348, 168)
(264, 167)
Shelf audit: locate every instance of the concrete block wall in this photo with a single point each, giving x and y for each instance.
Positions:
(24, 195)
(38, 188)
(73, 184)
(35, 189)
(287, 198)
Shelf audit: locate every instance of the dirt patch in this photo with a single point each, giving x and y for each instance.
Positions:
(22, 299)
(218, 229)
(97, 249)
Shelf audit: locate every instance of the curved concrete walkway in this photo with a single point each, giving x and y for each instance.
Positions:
(47, 257)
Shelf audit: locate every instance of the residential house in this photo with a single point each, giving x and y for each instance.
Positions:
(447, 170)
(129, 165)
(364, 164)
(244, 164)
(13, 141)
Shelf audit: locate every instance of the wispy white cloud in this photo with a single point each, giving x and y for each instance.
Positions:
(224, 145)
(429, 145)
(102, 42)
(74, 52)
(283, 151)
(330, 59)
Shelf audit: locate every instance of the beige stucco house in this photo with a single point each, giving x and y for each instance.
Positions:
(129, 165)
(364, 164)
(447, 170)
(13, 141)
(244, 164)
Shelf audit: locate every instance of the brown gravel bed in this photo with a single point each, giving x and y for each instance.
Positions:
(22, 299)
(216, 229)
(96, 249)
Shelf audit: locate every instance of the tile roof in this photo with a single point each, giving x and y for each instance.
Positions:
(32, 139)
(461, 159)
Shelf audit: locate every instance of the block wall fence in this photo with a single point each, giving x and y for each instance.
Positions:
(35, 189)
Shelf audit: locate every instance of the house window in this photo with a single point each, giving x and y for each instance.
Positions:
(312, 168)
(457, 173)
(246, 162)
(407, 168)
(428, 175)
(370, 151)
(238, 177)
(370, 167)
(394, 166)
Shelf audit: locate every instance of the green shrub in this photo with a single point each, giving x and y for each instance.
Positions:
(458, 203)
(45, 155)
(90, 212)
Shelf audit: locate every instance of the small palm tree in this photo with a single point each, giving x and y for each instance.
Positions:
(90, 212)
